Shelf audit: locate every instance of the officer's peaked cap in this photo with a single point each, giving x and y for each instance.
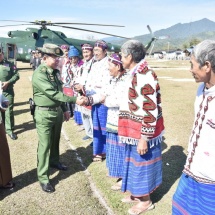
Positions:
(49, 48)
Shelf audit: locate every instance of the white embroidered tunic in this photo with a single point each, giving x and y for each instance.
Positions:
(98, 78)
(200, 163)
(113, 94)
(66, 75)
(84, 72)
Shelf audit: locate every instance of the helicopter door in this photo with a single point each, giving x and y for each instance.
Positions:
(11, 52)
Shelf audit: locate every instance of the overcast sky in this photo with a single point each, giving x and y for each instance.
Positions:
(135, 15)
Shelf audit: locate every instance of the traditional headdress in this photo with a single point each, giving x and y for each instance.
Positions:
(73, 52)
(64, 47)
(86, 46)
(101, 43)
(115, 58)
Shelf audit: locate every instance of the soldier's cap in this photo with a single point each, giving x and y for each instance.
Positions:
(49, 48)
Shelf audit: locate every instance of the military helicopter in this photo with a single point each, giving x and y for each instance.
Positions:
(20, 43)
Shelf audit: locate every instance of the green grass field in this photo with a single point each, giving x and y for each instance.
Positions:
(85, 188)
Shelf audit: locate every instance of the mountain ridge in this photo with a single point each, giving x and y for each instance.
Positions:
(179, 35)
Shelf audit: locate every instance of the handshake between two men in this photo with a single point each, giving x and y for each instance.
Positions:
(87, 100)
(83, 100)
(80, 100)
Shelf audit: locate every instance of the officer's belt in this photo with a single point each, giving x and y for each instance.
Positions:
(47, 108)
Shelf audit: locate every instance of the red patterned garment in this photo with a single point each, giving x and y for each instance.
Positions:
(140, 111)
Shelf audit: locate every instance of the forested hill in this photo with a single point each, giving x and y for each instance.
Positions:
(179, 35)
(187, 29)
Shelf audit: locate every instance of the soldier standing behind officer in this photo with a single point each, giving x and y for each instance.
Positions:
(49, 101)
(8, 77)
(36, 60)
(5, 165)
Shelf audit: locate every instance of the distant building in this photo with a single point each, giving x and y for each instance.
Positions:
(159, 54)
(188, 51)
(176, 54)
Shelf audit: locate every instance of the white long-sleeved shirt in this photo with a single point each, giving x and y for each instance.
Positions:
(200, 163)
(98, 79)
(113, 93)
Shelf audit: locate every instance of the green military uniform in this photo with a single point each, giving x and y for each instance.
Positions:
(50, 102)
(9, 73)
(5, 165)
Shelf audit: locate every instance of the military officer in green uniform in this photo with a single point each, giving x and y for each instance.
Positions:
(50, 110)
(8, 76)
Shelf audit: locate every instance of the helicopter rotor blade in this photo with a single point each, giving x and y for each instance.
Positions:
(81, 29)
(15, 25)
(150, 30)
(73, 23)
(15, 21)
(44, 23)
(60, 23)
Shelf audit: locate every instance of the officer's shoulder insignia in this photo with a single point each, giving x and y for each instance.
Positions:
(43, 69)
(49, 70)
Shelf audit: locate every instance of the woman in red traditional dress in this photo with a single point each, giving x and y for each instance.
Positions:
(140, 128)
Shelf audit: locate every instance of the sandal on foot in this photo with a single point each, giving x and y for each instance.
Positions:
(136, 209)
(117, 186)
(130, 199)
(97, 158)
(9, 185)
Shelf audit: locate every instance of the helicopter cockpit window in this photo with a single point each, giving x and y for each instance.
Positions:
(29, 51)
(44, 36)
(20, 50)
(10, 52)
(9, 34)
(35, 35)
